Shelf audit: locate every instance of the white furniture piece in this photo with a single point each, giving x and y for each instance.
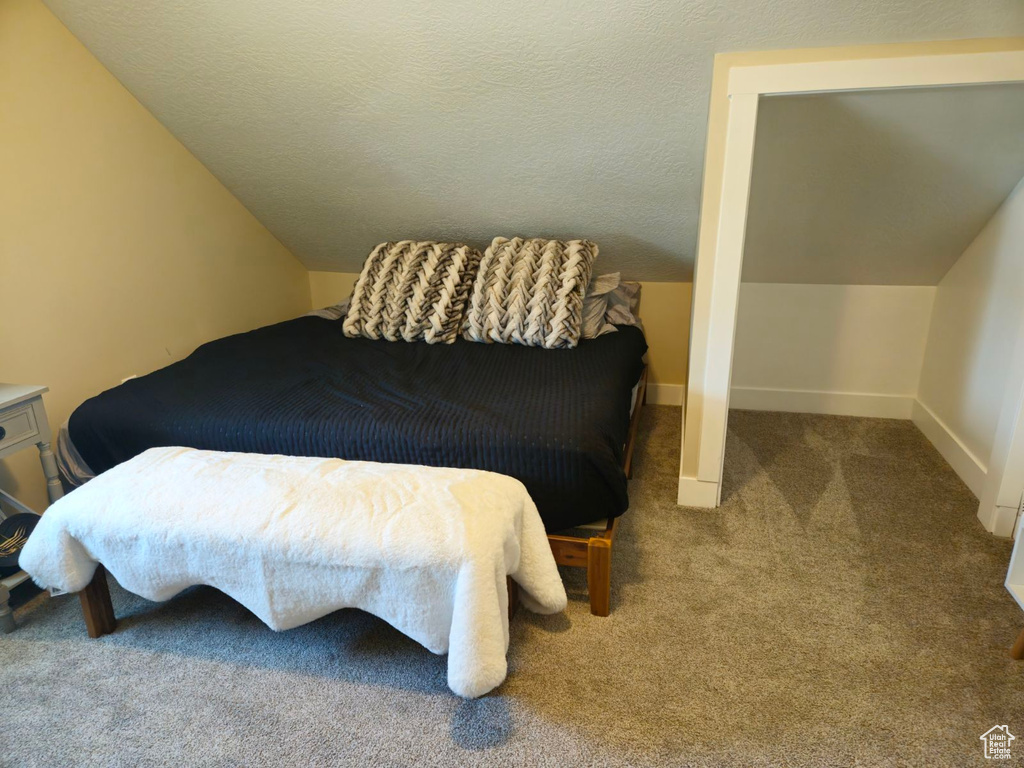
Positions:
(293, 538)
(23, 424)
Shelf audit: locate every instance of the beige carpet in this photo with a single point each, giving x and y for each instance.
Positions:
(843, 607)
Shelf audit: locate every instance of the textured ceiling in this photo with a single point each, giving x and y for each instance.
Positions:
(879, 188)
(343, 123)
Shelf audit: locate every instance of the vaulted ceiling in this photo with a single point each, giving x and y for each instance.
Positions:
(343, 123)
(879, 187)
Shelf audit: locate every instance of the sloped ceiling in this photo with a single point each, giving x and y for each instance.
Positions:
(342, 123)
(879, 188)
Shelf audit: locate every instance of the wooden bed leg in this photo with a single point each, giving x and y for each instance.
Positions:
(1017, 652)
(513, 597)
(599, 575)
(96, 606)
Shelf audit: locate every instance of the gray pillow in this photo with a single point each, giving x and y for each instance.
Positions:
(412, 290)
(530, 292)
(610, 301)
(624, 305)
(595, 305)
(333, 312)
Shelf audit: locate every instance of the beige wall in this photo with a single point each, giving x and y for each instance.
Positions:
(327, 288)
(664, 308)
(119, 251)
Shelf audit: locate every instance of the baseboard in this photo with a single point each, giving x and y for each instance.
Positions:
(1004, 521)
(697, 493)
(968, 466)
(811, 401)
(665, 394)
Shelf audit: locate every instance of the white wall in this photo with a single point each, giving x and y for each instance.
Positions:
(846, 349)
(943, 355)
(974, 329)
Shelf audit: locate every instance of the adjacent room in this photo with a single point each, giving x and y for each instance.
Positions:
(541, 384)
(881, 272)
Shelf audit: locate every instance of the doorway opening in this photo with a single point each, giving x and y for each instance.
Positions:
(861, 264)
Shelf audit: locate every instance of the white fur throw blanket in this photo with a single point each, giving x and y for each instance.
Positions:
(426, 549)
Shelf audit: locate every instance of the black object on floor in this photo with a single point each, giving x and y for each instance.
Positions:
(14, 532)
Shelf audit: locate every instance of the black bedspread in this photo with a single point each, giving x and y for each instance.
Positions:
(554, 419)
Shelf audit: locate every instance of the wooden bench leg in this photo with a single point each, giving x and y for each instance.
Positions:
(96, 606)
(599, 575)
(1017, 652)
(513, 597)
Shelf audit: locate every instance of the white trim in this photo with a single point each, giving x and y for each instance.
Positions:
(665, 394)
(878, 73)
(697, 493)
(1003, 521)
(968, 466)
(811, 401)
(720, 243)
(732, 231)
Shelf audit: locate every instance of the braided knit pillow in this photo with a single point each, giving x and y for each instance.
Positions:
(411, 290)
(530, 292)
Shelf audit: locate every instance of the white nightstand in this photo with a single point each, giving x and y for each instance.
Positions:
(23, 424)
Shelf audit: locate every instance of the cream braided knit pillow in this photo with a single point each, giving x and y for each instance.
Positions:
(530, 292)
(412, 290)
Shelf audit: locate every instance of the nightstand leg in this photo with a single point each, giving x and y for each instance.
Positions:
(6, 614)
(53, 487)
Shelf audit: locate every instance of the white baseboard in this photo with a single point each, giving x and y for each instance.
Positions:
(811, 401)
(968, 466)
(1003, 520)
(697, 493)
(665, 394)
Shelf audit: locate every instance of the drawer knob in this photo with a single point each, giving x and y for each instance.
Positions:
(3, 433)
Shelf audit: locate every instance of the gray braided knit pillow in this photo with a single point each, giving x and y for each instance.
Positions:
(411, 290)
(530, 292)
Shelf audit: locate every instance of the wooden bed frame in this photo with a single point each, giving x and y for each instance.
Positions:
(595, 552)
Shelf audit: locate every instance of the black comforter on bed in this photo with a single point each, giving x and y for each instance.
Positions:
(554, 419)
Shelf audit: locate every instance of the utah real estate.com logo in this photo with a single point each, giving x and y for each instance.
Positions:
(997, 742)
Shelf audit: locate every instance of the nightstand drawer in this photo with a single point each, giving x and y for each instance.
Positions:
(17, 425)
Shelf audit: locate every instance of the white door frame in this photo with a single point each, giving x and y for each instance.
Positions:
(720, 247)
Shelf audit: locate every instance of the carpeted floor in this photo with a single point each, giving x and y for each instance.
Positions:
(844, 606)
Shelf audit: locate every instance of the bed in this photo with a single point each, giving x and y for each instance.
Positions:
(558, 420)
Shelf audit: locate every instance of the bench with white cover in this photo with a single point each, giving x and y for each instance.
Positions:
(292, 539)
